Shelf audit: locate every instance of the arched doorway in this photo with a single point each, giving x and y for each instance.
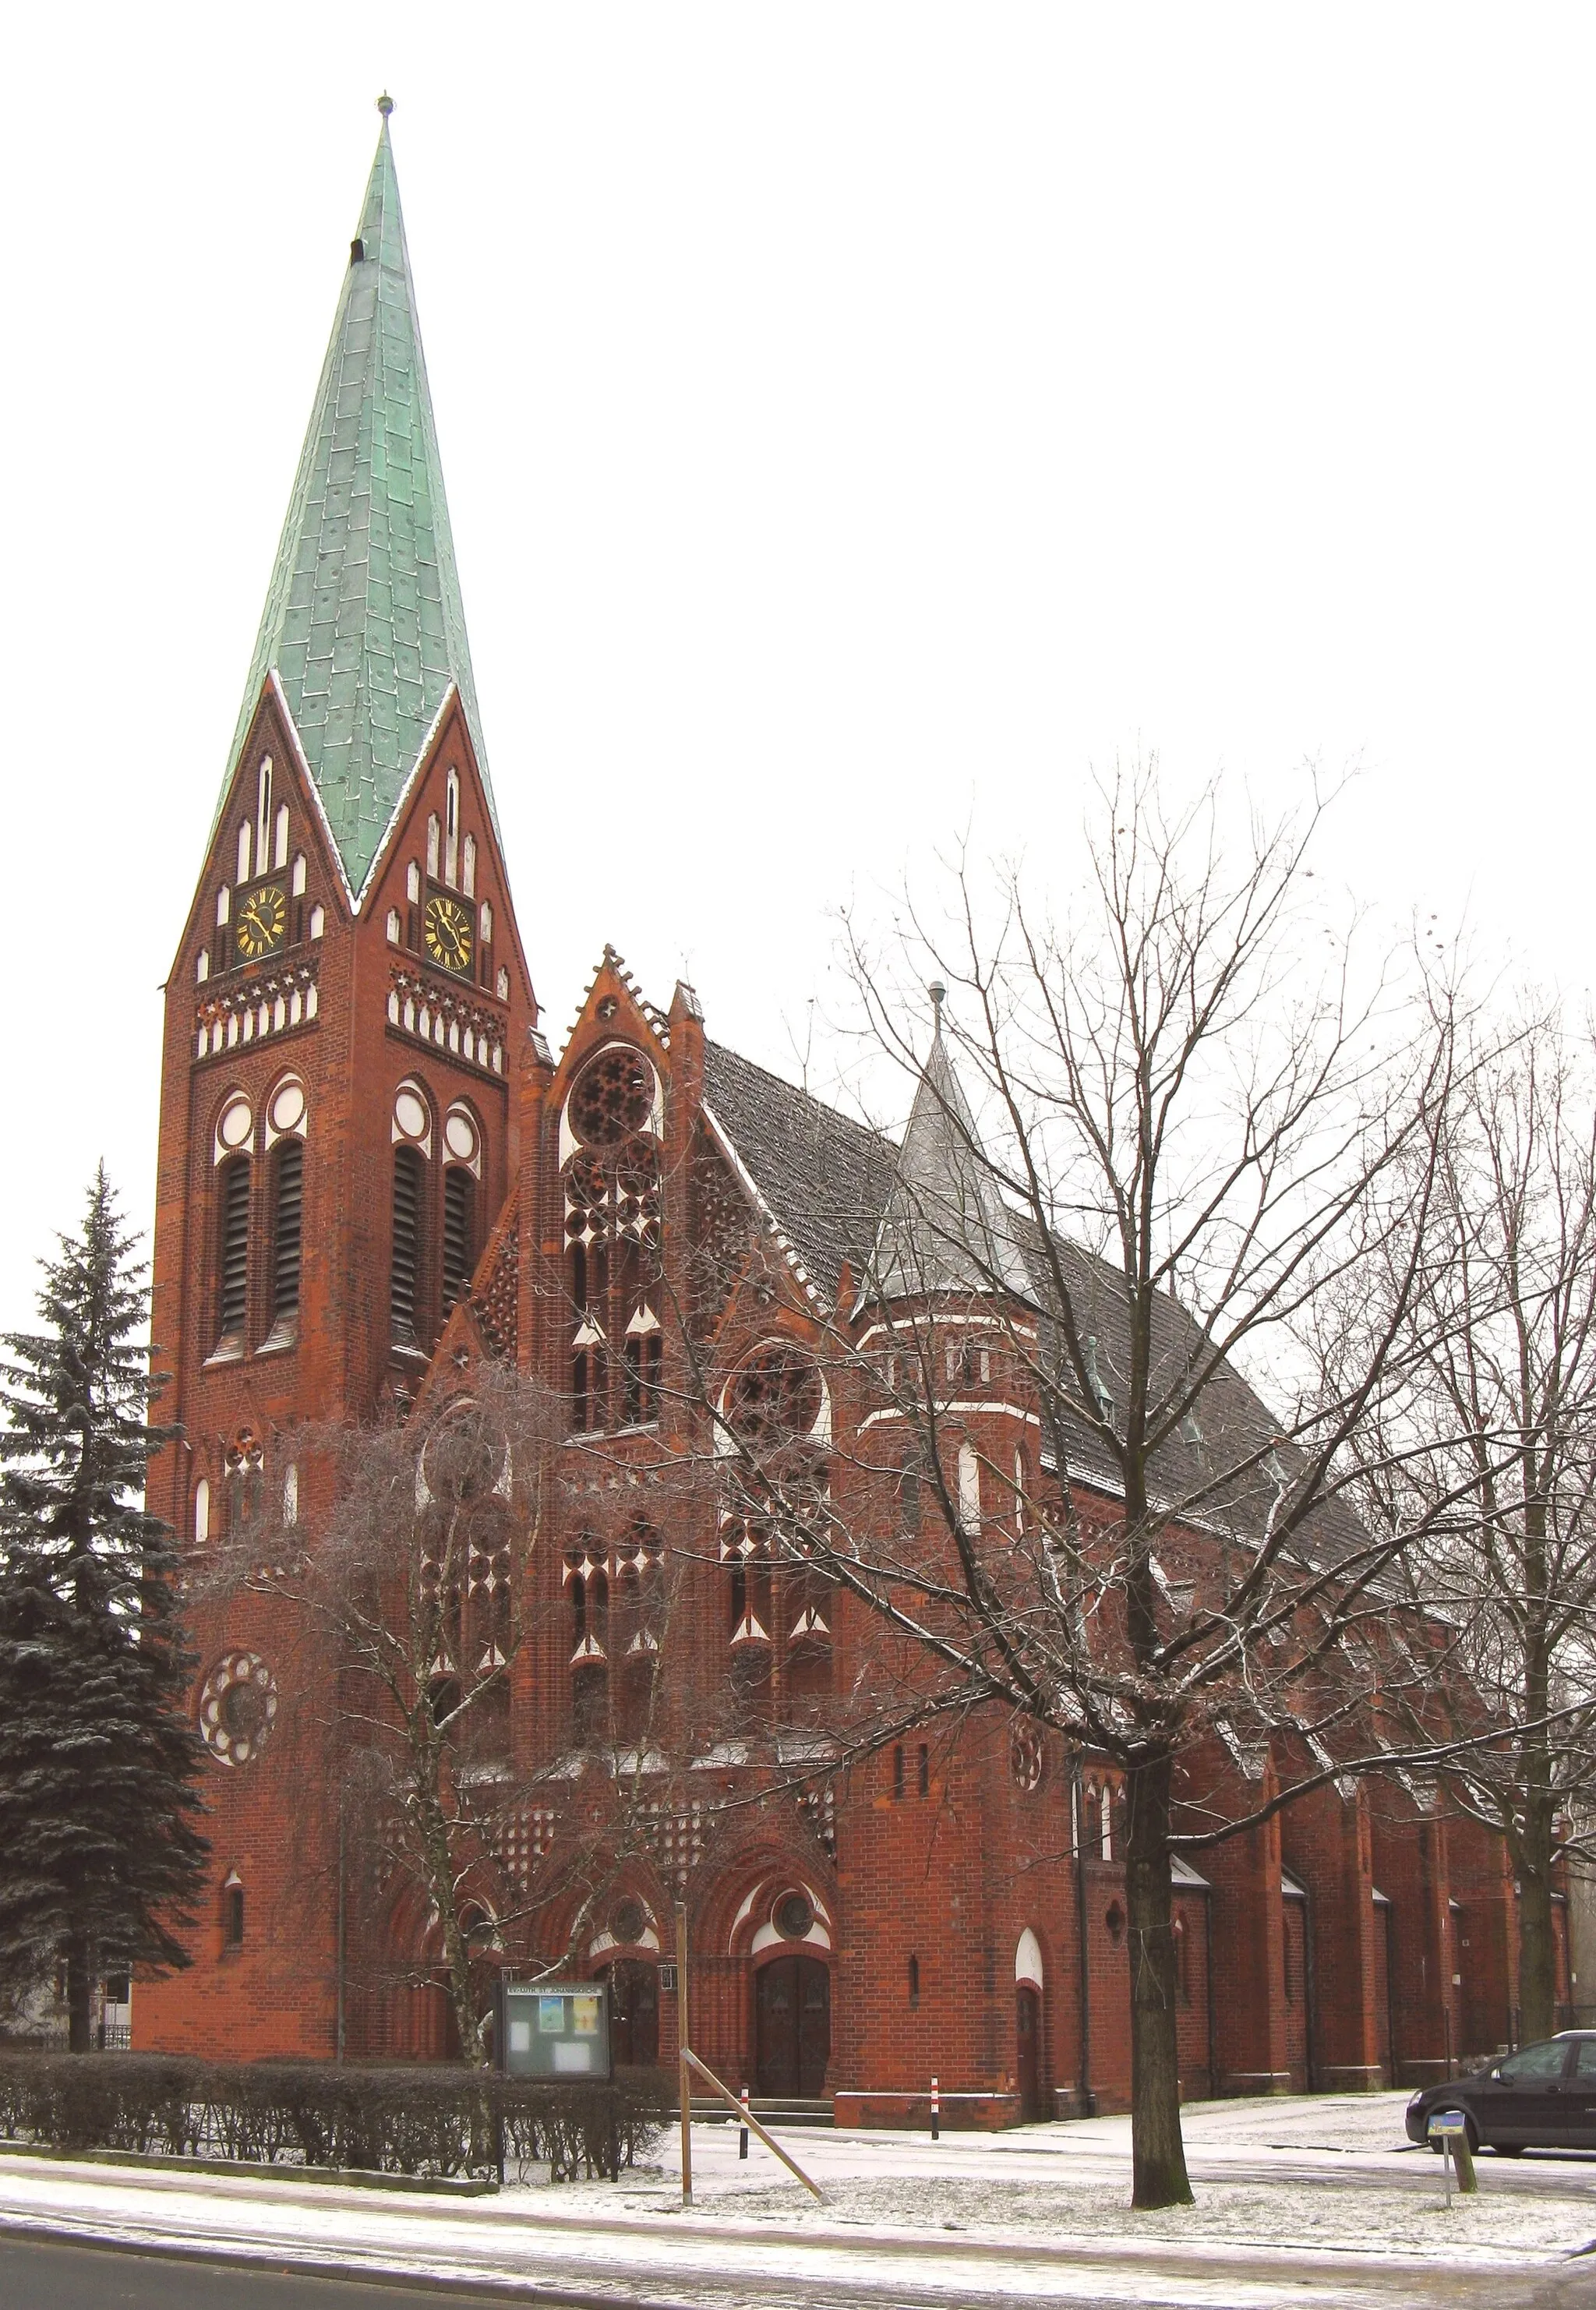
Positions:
(1027, 2027)
(1027, 2024)
(634, 2013)
(793, 2028)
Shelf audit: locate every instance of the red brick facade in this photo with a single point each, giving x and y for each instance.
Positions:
(963, 1909)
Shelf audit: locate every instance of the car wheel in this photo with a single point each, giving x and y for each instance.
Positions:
(1436, 2145)
(1508, 2149)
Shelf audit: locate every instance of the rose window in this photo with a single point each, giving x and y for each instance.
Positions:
(1026, 1756)
(794, 1915)
(613, 1098)
(775, 1397)
(628, 1922)
(238, 1708)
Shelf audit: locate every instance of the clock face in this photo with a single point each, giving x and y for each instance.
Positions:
(262, 918)
(446, 927)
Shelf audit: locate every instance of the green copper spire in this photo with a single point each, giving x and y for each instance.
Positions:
(364, 622)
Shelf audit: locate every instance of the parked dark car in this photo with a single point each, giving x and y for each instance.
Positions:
(1541, 2097)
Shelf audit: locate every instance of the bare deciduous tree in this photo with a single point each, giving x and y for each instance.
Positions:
(1195, 1135)
(1491, 1448)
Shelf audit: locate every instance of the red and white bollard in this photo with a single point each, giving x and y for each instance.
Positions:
(936, 2113)
(742, 2135)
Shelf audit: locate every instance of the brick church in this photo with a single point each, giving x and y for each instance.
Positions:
(374, 1172)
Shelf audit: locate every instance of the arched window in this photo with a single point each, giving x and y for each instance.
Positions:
(451, 841)
(279, 845)
(202, 1509)
(395, 928)
(468, 871)
(232, 1255)
(404, 1273)
(609, 1138)
(432, 840)
(914, 1983)
(969, 1490)
(232, 1910)
(243, 873)
(458, 1192)
(637, 1628)
(587, 1577)
(263, 815)
(290, 1496)
(296, 881)
(1105, 1817)
(245, 1462)
(287, 1234)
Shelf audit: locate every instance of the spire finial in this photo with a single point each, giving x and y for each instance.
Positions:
(385, 104)
(938, 995)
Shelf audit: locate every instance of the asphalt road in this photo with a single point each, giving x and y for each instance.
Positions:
(43, 2275)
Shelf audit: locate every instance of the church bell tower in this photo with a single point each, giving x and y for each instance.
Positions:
(344, 1021)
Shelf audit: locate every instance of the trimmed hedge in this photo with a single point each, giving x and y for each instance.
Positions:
(432, 2121)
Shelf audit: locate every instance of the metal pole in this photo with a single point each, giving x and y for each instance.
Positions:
(682, 2043)
(742, 2133)
(341, 1924)
(936, 2113)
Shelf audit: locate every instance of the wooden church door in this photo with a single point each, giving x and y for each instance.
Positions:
(1028, 2022)
(793, 2028)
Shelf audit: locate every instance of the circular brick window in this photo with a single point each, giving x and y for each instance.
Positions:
(613, 1098)
(1027, 1756)
(628, 1922)
(238, 1708)
(1115, 1922)
(795, 1914)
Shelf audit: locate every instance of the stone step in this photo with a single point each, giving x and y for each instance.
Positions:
(774, 2114)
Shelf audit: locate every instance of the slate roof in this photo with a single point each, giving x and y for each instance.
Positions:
(363, 620)
(825, 1179)
(838, 1191)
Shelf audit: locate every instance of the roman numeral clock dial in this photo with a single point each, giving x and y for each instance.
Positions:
(447, 928)
(262, 920)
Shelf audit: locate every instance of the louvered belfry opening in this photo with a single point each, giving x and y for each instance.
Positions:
(404, 1275)
(457, 1198)
(234, 1260)
(288, 1232)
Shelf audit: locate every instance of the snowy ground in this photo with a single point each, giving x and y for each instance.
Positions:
(1318, 2201)
(1332, 2173)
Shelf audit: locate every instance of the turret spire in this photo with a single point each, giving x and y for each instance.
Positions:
(363, 625)
(946, 1227)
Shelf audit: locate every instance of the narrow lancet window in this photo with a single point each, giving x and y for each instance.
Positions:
(404, 1274)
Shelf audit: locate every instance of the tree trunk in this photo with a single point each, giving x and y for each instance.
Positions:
(80, 1994)
(1537, 1971)
(1158, 2152)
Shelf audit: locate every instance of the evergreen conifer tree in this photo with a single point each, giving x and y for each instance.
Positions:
(97, 1761)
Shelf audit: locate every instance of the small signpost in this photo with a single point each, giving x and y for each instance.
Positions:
(1450, 2128)
(554, 2028)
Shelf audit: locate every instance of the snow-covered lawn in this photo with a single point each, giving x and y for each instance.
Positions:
(1319, 2197)
(1329, 2175)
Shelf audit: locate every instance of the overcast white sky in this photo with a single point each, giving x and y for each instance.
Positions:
(858, 421)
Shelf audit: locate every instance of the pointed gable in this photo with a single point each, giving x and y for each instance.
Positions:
(364, 626)
(946, 1227)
